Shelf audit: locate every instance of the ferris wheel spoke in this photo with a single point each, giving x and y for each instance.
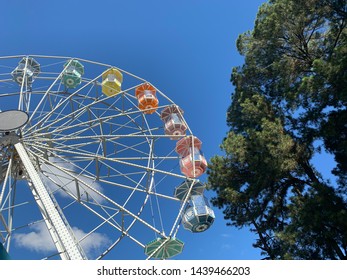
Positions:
(84, 154)
(85, 185)
(45, 95)
(87, 175)
(107, 220)
(90, 123)
(23, 85)
(127, 176)
(109, 137)
(99, 120)
(117, 227)
(105, 179)
(127, 235)
(58, 117)
(60, 127)
(126, 163)
(129, 196)
(53, 111)
(103, 143)
(70, 116)
(59, 105)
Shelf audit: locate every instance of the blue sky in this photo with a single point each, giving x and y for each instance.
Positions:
(185, 48)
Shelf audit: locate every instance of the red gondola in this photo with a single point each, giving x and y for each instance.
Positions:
(193, 163)
(173, 120)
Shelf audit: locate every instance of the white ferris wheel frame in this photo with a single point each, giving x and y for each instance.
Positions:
(28, 148)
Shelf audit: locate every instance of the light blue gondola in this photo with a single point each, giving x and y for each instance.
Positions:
(198, 216)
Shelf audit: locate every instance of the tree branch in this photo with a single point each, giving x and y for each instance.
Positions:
(309, 171)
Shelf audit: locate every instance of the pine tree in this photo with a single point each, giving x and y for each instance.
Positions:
(289, 103)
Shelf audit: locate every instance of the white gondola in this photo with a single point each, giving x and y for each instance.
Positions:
(27, 70)
(198, 217)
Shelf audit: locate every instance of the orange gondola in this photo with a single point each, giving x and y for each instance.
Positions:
(146, 96)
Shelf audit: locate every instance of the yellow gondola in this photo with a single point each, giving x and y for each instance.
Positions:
(111, 82)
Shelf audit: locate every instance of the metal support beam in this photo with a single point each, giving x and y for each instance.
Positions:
(57, 225)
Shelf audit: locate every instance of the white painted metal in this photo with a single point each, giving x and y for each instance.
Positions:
(59, 230)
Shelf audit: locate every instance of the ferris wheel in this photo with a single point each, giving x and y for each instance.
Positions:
(95, 162)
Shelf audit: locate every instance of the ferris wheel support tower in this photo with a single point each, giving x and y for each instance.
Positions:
(57, 225)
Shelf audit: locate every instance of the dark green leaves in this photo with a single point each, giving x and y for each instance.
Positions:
(289, 93)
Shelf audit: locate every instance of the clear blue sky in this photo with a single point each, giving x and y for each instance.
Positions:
(184, 47)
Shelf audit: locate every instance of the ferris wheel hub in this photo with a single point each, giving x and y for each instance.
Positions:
(12, 119)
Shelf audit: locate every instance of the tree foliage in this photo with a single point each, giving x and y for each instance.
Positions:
(289, 104)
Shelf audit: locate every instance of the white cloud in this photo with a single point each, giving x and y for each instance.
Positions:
(94, 243)
(55, 179)
(226, 247)
(40, 241)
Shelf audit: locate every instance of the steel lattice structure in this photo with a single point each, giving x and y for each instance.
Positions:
(99, 156)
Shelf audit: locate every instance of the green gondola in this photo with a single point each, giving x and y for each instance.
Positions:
(72, 75)
(3, 253)
(171, 247)
(182, 190)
